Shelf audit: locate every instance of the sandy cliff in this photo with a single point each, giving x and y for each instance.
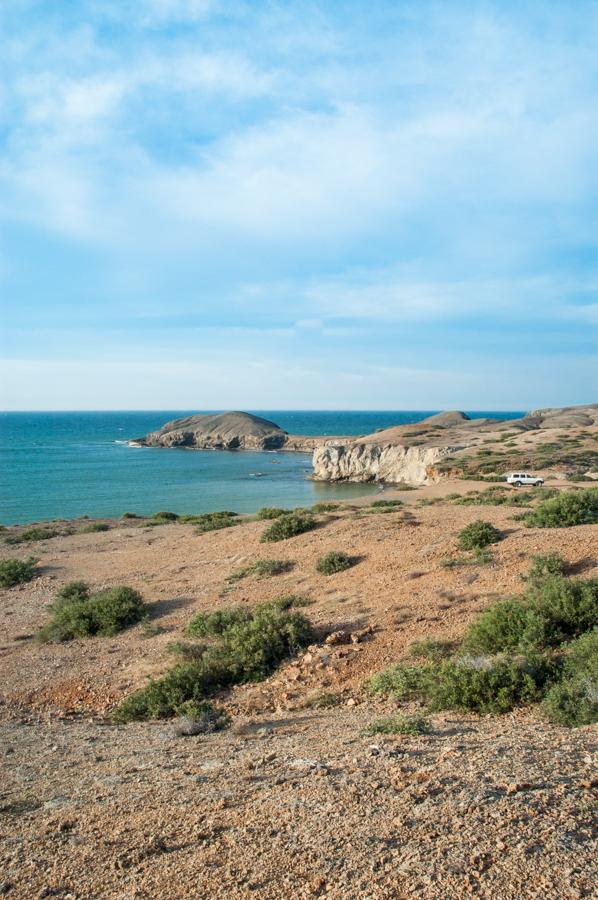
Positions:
(376, 462)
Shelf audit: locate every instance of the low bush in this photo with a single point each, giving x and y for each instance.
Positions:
(568, 508)
(573, 700)
(478, 557)
(37, 533)
(130, 515)
(95, 526)
(167, 696)
(509, 626)
(248, 647)
(255, 648)
(478, 534)
(287, 526)
(381, 504)
(16, 571)
(214, 624)
(166, 516)
(74, 590)
(402, 682)
(431, 649)
(215, 521)
(77, 613)
(324, 507)
(546, 564)
(569, 606)
(187, 651)
(408, 725)
(200, 717)
(290, 601)
(333, 562)
(487, 684)
(540, 646)
(272, 512)
(495, 496)
(263, 568)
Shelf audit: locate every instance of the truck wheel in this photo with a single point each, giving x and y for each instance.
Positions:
(517, 483)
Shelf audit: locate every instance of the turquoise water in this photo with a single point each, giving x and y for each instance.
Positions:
(63, 465)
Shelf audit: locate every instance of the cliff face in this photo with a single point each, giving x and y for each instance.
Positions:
(375, 462)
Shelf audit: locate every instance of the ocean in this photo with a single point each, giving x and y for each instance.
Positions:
(58, 465)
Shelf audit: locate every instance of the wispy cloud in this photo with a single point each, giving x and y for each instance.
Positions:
(304, 169)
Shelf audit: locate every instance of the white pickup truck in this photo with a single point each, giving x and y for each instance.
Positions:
(519, 478)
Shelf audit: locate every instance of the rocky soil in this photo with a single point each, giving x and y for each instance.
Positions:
(292, 800)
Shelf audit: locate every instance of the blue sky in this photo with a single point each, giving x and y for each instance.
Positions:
(211, 204)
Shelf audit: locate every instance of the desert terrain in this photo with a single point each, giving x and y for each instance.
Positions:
(293, 799)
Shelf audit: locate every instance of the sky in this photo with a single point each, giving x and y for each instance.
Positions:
(218, 204)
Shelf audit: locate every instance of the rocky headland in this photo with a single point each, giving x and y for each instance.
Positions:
(555, 441)
(227, 431)
(559, 441)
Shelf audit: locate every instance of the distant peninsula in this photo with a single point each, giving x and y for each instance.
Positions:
(559, 440)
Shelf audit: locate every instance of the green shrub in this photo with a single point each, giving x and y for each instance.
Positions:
(166, 516)
(333, 562)
(573, 700)
(478, 557)
(74, 590)
(487, 684)
(37, 533)
(256, 647)
(167, 696)
(95, 526)
(478, 534)
(569, 606)
(508, 626)
(76, 613)
(494, 496)
(272, 512)
(16, 571)
(435, 650)
(248, 648)
(381, 504)
(287, 526)
(324, 507)
(214, 624)
(402, 682)
(214, 521)
(568, 508)
(409, 725)
(130, 515)
(185, 650)
(200, 717)
(263, 568)
(546, 564)
(290, 601)
(116, 609)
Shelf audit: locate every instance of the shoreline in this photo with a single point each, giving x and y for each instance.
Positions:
(409, 495)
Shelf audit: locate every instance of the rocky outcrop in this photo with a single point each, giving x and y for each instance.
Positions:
(388, 463)
(222, 431)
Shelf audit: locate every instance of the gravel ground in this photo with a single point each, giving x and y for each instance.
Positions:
(291, 801)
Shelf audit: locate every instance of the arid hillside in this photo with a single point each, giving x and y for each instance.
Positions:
(470, 805)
